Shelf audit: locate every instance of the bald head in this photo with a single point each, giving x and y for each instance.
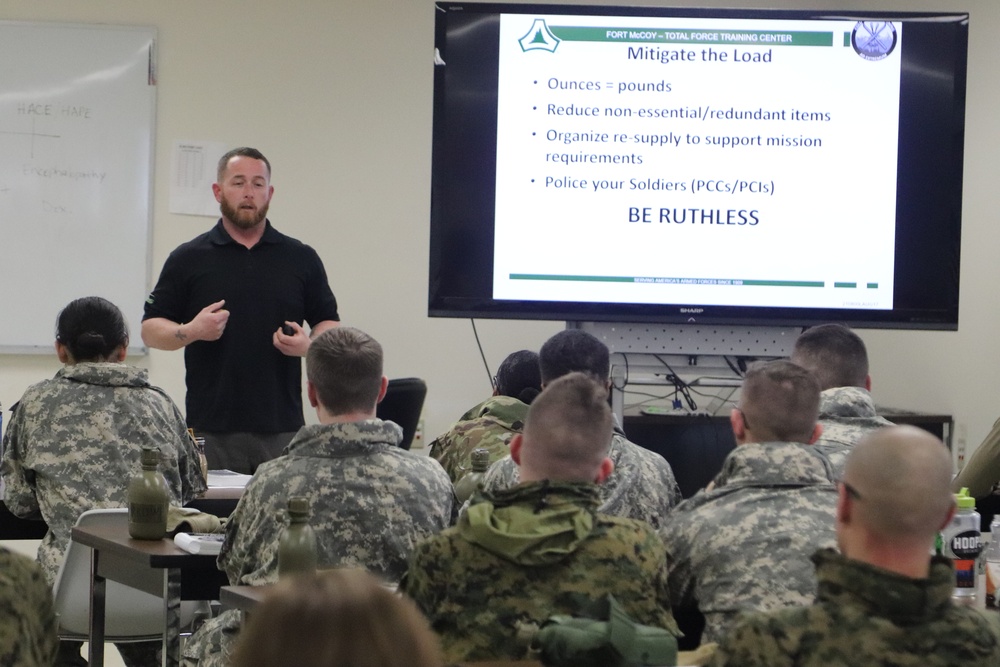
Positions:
(567, 431)
(779, 402)
(834, 354)
(901, 476)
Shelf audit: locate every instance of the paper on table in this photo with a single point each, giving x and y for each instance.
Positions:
(227, 479)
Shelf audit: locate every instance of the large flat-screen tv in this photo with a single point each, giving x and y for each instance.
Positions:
(652, 164)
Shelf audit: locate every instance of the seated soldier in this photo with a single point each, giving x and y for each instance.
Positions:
(838, 358)
(541, 547)
(642, 485)
(883, 600)
(491, 424)
(75, 440)
(745, 544)
(371, 502)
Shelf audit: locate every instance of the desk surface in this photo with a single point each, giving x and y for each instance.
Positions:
(219, 501)
(244, 598)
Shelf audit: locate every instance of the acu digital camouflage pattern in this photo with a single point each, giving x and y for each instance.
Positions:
(370, 504)
(28, 628)
(490, 425)
(847, 414)
(475, 597)
(745, 545)
(74, 442)
(642, 485)
(864, 615)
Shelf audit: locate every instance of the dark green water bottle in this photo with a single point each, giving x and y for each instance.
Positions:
(469, 484)
(297, 544)
(148, 499)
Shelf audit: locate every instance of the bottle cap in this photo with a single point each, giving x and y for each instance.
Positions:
(298, 506)
(480, 460)
(964, 500)
(150, 457)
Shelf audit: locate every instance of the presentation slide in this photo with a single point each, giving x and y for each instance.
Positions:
(704, 161)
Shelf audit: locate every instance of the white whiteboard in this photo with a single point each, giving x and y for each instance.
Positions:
(77, 110)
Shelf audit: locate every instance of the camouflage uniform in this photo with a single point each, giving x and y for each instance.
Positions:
(864, 615)
(982, 471)
(745, 544)
(490, 425)
(371, 503)
(74, 442)
(847, 414)
(27, 619)
(641, 487)
(525, 554)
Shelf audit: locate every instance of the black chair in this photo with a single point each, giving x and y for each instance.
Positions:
(403, 403)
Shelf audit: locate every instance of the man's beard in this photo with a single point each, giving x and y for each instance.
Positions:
(243, 218)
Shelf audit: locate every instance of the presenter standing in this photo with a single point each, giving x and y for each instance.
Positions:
(225, 297)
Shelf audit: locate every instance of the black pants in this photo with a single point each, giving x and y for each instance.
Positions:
(242, 452)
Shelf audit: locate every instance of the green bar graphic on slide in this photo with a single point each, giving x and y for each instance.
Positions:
(704, 36)
(669, 281)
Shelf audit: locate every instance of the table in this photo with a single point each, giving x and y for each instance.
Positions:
(156, 567)
(220, 501)
(244, 598)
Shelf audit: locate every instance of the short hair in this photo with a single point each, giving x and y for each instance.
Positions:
(573, 351)
(345, 366)
(568, 429)
(835, 354)
(336, 618)
(242, 151)
(519, 376)
(91, 328)
(780, 401)
(902, 478)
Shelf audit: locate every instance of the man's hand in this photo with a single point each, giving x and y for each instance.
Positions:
(295, 345)
(206, 325)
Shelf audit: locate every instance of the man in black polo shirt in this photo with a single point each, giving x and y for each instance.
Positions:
(225, 296)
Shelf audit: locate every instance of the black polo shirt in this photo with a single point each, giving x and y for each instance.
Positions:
(241, 382)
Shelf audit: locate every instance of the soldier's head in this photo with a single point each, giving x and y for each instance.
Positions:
(336, 618)
(779, 402)
(572, 351)
(91, 329)
(519, 377)
(894, 495)
(567, 433)
(344, 371)
(836, 356)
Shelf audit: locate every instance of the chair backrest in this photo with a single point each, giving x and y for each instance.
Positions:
(403, 403)
(130, 614)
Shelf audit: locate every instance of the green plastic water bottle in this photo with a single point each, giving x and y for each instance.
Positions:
(297, 544)
(465, 487)
(148, 499)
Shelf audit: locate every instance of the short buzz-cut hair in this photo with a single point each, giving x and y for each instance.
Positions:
(780, 402)
(568, 429)
(345, 366)
(573, 351)
(836, 355)
(242, 151)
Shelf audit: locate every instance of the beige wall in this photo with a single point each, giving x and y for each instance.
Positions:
(337, 93)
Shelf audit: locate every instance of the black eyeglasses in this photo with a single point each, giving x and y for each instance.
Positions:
(851, 491)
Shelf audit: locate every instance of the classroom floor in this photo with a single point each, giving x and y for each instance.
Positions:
(30, 549)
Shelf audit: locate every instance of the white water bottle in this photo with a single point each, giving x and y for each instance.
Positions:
(962, 543)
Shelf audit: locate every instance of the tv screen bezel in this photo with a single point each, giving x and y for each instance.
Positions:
(461, 259)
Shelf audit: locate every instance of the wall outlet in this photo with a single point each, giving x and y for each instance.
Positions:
(961, 432)
(418, 436)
